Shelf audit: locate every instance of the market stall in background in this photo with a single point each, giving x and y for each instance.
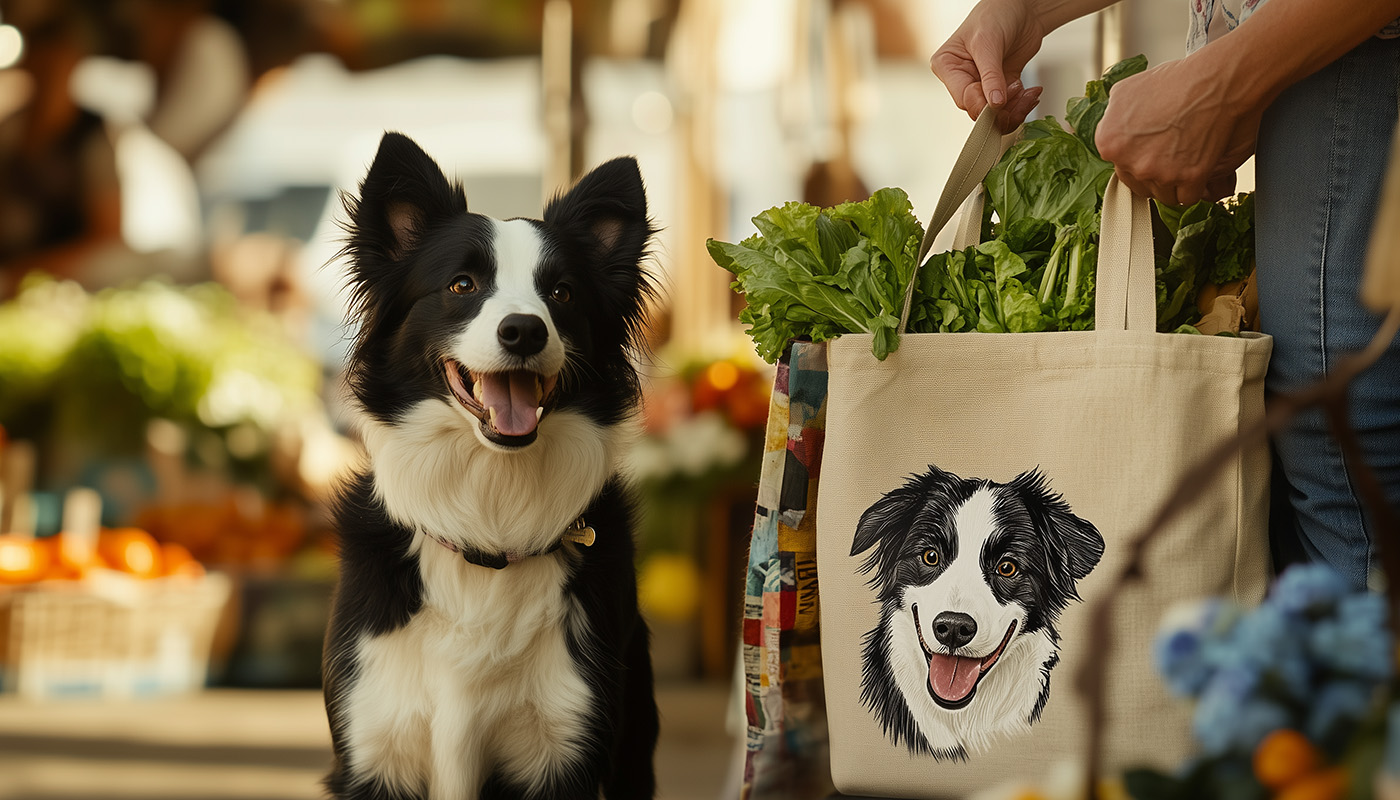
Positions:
(172, 419)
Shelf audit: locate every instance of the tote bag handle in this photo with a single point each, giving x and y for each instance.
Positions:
(1125, 282)
(978, 156)
(1125, 285)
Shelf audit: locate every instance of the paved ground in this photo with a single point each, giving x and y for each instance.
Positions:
(256, 745)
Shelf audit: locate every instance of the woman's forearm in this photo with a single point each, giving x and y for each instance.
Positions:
(1288, 40)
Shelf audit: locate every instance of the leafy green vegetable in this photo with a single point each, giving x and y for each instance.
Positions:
(1212, 243)
(1084, 113)
(1181, 276)
(1068, 282)
(91, 370)
(1049, 175)
(818, 273)
(1234, 250)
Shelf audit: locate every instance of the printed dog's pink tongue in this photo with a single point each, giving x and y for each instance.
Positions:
(512, 396)
(952, 677)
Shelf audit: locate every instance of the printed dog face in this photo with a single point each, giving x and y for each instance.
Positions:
(971, 576)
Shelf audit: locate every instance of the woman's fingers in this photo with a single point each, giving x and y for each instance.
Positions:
(1220, 186)
(1136, 186)
(1019, 103)
(988, 55)
(959, 74)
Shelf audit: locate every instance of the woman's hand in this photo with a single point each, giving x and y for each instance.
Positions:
(981, 62)
(1175, 132)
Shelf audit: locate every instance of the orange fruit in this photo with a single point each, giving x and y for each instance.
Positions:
(176, 560)
(64, 566)
(1327, 784)
(131, 550)
(1284, 757)
(22, 560)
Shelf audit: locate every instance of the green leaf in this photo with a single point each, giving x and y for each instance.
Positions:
(815, 274)
(988, 320)
(1123, 69)
(1049, 175)
(1084, 113)
(1031, 239)
(1180, 279)
(952, 318)
(1020, 310)
(887, 220)
(1005, 264)
(1234, 249)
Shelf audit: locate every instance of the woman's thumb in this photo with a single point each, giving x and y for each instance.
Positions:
(988, 60)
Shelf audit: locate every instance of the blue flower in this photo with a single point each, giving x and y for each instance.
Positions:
(1270, 643)
(1231, 686)
(1355, 641)
(1308, 588)
(1338, 703)
(1229, 719)
(1187, 646)
(1181, 659)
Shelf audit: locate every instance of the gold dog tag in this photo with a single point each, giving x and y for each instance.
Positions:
(580, 533)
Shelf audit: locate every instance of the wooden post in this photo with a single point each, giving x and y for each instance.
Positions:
(700, 297)
(1108, 36)
(557, 77)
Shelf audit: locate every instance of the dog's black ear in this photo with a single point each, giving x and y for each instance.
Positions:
(608, 208)
(893, 514)
(605, 216)
(883, 519)
(403, 193)
(1078, 543)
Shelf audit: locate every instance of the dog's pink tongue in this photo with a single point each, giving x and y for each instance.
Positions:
(952, 677)
(512, 396)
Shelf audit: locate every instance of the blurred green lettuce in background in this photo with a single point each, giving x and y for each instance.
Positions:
(88, 372)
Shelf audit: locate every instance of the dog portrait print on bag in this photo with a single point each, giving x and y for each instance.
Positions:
(971, 576)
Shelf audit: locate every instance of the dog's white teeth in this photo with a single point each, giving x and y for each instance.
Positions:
(539, 413)
(491, 415)
(476, 390)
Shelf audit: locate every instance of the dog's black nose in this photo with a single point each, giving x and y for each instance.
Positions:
(953, 630)
(522, 334)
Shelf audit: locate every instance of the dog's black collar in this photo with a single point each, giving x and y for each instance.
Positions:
(579, 533)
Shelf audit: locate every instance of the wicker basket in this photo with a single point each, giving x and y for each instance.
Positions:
(109, 635)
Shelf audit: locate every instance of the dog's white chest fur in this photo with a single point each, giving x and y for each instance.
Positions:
(433, 475)
(480, 679)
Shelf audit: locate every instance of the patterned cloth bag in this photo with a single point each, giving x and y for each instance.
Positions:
(784, 699)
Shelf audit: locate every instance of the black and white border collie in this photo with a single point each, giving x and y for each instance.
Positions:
(478, 645)
(971, 576)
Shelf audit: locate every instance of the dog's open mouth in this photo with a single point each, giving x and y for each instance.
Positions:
(509, 405)
(953, 679)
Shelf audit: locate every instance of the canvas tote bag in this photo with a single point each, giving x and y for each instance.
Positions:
(979, 490)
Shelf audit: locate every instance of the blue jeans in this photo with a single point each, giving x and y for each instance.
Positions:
(1321, 157)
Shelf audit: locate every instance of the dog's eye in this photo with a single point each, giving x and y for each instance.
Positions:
(931, 557)
(463, 284)
(1006, 568)
(562, 293)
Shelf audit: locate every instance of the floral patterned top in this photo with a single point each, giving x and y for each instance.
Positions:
(1211, 19)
